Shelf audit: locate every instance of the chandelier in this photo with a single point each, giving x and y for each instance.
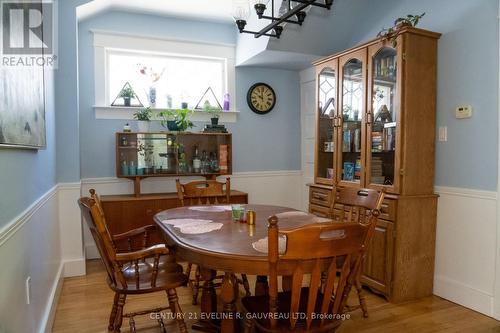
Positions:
(290, 11)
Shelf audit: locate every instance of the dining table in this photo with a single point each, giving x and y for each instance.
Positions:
(209, 237)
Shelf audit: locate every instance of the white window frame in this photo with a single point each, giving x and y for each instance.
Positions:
(106, 43)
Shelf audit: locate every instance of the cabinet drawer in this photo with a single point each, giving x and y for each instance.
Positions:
(320, 196)
(319, 210)
(388, 210)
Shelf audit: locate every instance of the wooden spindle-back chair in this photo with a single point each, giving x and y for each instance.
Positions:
(331, 247)
(356, 205)
(137, 272)
(205, 192)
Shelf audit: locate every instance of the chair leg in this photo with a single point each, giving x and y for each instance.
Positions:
(119, 312)
(246, 285)
(362, 299)
(188, 269)
(248, 326)
(112, 316)
(196, 285)
(173, 301)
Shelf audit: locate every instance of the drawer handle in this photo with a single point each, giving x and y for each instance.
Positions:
(319, 196)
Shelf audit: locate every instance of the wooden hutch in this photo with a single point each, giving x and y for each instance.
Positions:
(376, 121)
(162, 154)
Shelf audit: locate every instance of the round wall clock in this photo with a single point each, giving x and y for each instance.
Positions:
(261, 98)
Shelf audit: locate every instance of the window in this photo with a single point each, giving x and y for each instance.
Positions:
(173, 79)
(179, 71)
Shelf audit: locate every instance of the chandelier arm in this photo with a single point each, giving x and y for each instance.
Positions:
(286, 16)
(317, 4)
(255, 32)
(276, 18)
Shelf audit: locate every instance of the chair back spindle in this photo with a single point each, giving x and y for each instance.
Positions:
(204, 192)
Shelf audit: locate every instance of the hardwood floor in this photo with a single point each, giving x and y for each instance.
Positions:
(85, 304)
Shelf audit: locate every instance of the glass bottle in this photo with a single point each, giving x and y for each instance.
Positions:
(196, 160)
(214, 163)
(226, 102)
(204, 162)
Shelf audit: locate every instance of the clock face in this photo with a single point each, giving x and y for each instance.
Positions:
(261, 98)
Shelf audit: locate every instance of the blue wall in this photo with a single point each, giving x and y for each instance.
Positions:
(25, 175)
(467, 74)
(260, 143)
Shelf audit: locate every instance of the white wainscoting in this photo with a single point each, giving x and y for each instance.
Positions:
(30, 246)
(282, 188)
(466, 247)
(71, 229)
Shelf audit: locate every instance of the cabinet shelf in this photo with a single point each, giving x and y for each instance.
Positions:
(171, 154)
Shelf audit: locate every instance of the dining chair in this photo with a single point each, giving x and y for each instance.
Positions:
(141, 271)
(205, 192)
(356, 205)
(307, 306)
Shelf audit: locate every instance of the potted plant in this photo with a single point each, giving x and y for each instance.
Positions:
(176, 119)
(144, 117)
(213, 111)
(391, 33)
(127, 94)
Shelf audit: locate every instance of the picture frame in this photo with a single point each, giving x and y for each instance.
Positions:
(22, 103)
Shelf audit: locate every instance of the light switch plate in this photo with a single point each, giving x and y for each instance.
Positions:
(463, 111)
(443, 133)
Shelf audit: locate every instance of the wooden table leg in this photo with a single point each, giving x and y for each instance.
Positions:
(208, 303)
(286, 283)
(261, 286)
(229, 292)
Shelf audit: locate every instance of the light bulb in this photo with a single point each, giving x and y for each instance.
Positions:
(241, 10)
(283, 8)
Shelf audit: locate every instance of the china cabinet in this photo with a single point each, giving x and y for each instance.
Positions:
(376, 119)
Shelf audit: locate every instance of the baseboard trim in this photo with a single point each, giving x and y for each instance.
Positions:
(18, 222)
(51, 307)
(74, 267)
(464, 295)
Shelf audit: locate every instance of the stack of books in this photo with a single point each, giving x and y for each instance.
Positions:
(377, 173)
(215, 129)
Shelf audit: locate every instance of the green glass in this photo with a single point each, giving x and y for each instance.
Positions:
(237, 212)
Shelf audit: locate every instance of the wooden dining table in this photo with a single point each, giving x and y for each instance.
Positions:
(229, 250)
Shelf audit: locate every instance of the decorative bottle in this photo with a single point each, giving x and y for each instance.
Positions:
(196, 161)
(226, 102)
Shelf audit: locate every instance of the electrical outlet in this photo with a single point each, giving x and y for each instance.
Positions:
(463, 111)
(443, 133)
(28, 290)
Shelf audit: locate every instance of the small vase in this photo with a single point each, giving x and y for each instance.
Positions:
(214, 120)
(143, 126)
(126, 101)
(184, 105)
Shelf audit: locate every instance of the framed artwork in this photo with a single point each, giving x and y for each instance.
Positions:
(22, 104)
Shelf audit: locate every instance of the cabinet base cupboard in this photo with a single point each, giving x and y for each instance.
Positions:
(376, 124)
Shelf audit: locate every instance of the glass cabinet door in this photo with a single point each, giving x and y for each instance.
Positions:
(326, 113)
(383, 114)
(353, 104)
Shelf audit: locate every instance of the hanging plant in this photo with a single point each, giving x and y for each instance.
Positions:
(391, 33)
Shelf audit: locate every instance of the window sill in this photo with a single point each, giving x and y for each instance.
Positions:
(127, 113)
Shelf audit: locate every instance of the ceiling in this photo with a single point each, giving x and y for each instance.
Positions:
(210, 10)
